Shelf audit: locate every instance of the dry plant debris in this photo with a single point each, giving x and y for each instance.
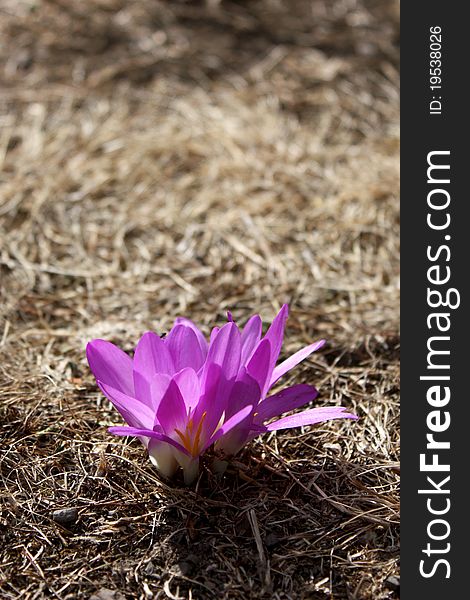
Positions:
(167, 158)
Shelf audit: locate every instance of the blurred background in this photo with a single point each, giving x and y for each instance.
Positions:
(184, 158)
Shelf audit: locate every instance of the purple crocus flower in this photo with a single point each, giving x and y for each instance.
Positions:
(181, 394)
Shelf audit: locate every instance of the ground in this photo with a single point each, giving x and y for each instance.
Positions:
(184, 158)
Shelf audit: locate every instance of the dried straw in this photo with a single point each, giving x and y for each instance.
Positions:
(168, 158)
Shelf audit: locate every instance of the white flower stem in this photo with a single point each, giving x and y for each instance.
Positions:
(191, 471)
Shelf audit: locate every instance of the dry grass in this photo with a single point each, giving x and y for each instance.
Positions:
(167, 158)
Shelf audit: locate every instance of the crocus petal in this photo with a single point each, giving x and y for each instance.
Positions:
(200, 336)
(134, 412)
(151, 357)
(251, 336)
(225, 350)
(142, 388)
(171, 412)
(184, 348)
(230, 424)
(310, 417)
(212, 402)
(188, 384)
(294, 360)
(111, 365)
(158, 388)
(213, 335)
(275, 335)
(285, 401)
(141, 432)
(245, 391)
(259, 364)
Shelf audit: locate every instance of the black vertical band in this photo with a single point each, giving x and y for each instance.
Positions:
(434, 322)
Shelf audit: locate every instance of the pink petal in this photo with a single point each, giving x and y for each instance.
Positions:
(259, 364)
(245, 391)
(171, 412)
(158, 388)
(294, 360)
(285, 401)
(188, 383)
(229, 425)
(110, 365)
(151, 357)
(156, 435)
(200, 336)
(213, 401)
(275, 335)
(185, 348)
(134, 412)
(225, 350)
(213, 335)
(220, 370)
(310, 417)
(251, 336)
